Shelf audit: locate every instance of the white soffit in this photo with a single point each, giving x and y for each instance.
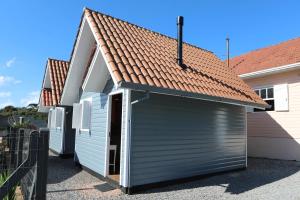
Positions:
(97, 75)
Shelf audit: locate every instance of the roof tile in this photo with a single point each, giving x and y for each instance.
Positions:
(284, 53)
(58, 70)
(140, 56)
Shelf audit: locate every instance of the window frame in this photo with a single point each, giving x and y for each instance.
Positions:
(266, 88)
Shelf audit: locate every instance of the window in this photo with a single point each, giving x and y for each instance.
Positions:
(76, 118)
(53, 118)
(59, 117)
(86, 114)
(56, 118)
(49, 118)
(82, 115)
(267, 94)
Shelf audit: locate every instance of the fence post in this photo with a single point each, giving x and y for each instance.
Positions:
(42, 165)
(20, 147)
(12, 150)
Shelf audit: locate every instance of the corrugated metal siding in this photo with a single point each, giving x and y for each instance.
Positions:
(55, 140)
(174, 137)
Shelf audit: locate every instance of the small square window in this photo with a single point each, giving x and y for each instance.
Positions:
(263, 93)
(270, 93)
(257, 92)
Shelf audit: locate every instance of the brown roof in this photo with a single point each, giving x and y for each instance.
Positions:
(47, 97)
(285, 53)
(58, 70)
(142, 57)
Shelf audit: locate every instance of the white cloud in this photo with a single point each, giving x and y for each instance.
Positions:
(7, 80)
(32, 97)
(5, 94)
(10, 62)
(6, 103)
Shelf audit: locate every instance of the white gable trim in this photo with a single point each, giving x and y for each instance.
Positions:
(105, 59)
(269, 71)
(69, 74)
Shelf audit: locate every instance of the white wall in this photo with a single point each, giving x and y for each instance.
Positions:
(275, 134)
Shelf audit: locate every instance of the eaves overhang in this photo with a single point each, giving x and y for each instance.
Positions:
(172, 92)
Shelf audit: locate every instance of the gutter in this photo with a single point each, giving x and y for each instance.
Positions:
(173, 92)
(269, 71)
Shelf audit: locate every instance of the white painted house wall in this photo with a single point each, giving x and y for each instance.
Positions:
(276, 134)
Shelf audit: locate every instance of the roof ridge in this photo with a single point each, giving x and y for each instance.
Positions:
(266, 47)
(58, 60)
(147, 29)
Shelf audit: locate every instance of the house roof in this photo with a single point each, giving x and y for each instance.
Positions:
(58, 70)
(47, 97)
(140, 57)
(281, 54)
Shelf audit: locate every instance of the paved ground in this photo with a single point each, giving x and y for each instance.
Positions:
(264, 179)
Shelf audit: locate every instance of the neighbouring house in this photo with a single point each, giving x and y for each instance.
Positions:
(274, 74)
(62, 136)
(150, 108)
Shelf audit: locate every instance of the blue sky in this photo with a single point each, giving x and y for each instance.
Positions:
(33, 30)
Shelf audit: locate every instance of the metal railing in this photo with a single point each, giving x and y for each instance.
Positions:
(24, 156)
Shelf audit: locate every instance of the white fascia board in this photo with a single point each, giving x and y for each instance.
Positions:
(105, 59)
(269, 71)
(127, 139)
(69, 74)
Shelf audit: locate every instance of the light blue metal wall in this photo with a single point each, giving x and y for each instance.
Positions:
(174, 137)
(90, 146)
(55, 140)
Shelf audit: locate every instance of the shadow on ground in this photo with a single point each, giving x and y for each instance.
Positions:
(259, 172)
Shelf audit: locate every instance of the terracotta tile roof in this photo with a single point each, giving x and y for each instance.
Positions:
(140, 56)
(58, 70)
(285, 53)
(47, 97)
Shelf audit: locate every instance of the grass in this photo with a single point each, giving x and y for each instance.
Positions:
(12, 193)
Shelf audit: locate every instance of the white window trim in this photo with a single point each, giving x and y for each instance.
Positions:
(74, 116)
(265, 87)
(90, 99)
(62, 118)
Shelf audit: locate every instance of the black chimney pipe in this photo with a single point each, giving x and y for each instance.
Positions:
(179, 40)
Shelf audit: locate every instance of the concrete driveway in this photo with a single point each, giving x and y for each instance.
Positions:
(264, 179)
